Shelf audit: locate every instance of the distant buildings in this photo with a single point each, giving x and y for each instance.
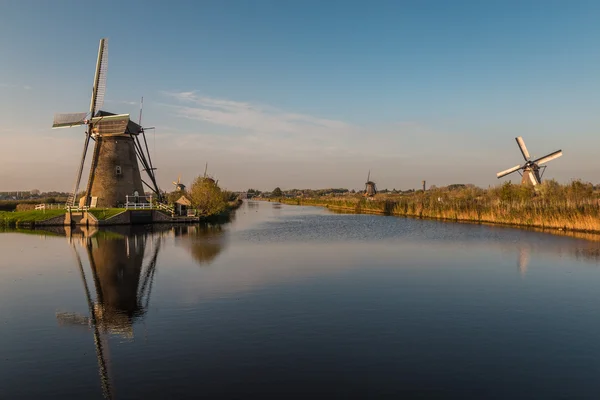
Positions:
(29, 195)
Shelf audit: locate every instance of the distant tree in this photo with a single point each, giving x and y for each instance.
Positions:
(35, 192)
(228, 196)
(206, 196)
(277, 192)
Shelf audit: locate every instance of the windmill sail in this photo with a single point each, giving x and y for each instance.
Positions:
(508, 171)
(68, 120)
(533, 178)
(523, 148)
(549, 157)
(73, 198)
(99, 88)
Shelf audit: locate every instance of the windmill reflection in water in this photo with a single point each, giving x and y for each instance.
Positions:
(122, 274)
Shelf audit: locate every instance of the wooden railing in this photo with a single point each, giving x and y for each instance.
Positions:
(165, 207)
(138, 206)
(76, 208)
(54, 206)
(133, 202)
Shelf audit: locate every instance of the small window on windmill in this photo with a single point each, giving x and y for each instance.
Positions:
(118, 170)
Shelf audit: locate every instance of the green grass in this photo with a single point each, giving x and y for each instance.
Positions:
(105, 213)
(27, 217)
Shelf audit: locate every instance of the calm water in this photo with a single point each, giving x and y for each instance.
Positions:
(297, 302)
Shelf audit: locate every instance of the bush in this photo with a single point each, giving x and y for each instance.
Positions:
(207, 197)
(229, 196)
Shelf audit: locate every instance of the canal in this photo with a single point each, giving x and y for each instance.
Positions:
(298, 302)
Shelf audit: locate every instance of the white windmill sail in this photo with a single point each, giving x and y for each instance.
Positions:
(508, 171)
(532, 178)
(68, 120)
(99, 88)
(523, 148)
(549, 157)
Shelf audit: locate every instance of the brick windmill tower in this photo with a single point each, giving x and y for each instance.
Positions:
(114, 171)
(370, 187)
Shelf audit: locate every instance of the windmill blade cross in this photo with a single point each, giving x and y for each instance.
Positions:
(508, 171)
(549, 157)
(523, 148)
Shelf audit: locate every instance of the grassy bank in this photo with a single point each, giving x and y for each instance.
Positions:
(572, 207)
(30, 217)
(19, 218)
(105, 213)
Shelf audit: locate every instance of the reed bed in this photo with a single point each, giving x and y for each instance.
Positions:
(570, 207)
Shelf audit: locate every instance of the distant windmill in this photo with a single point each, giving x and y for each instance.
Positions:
(179, 187)
(370, 187)
(531, 169)
(208, 178)
(114, 171)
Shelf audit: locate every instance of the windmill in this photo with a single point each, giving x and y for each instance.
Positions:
(370, 188)
(207, 178)
(114, 171)
(179, 187)
(532, 169)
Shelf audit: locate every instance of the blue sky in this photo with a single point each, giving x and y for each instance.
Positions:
(308, 93)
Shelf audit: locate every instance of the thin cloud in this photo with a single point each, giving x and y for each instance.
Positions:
(254, 117)
(266, 132)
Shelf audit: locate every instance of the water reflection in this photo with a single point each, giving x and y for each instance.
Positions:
(289, 287)
(543, 246)
(122, 283)
(121, 279)
(121, 265)
(204, 242)
(523, 261)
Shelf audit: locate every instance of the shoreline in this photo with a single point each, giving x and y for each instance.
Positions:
(32, 219)
(479, 221)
